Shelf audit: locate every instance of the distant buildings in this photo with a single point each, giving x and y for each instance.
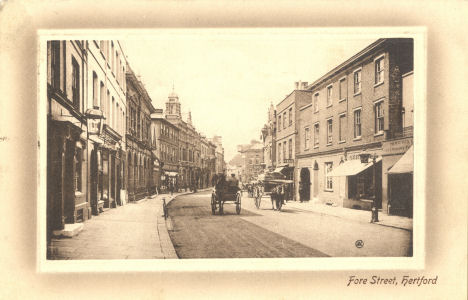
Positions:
(252, 160)
(188, 158)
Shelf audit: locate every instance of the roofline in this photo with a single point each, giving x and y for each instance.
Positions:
(347, 62)
(307, 91)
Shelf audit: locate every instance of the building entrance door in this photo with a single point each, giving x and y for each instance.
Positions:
(304, 187)
(315, 185)
(94, 182)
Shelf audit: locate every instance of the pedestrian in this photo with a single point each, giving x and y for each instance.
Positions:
(171, 187)
(274, 196)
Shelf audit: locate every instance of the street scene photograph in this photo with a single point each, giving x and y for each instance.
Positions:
(228, 143)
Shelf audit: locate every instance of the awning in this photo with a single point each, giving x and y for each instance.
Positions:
(404, 164)
(352, 167)
(271, 175)
(279, 169)
(171, 174)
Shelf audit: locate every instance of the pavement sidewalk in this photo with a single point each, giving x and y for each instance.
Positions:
(362, 216)
(133, 231)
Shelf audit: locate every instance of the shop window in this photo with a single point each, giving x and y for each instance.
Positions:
(78, 175)
(328, 179)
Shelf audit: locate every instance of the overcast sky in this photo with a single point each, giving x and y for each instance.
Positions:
(228, 78)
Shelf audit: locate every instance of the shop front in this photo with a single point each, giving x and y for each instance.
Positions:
(66, 175)
(398, 177)
(360, 178)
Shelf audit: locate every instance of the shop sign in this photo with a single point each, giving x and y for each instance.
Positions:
(289, 161)
(397, 146)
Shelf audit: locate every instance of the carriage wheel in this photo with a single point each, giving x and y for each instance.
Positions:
(238, 204)
(213, 204)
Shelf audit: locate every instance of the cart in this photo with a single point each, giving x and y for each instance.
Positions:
(223, 194)
(267, 183)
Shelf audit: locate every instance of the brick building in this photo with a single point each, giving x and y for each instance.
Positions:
(85, 126)
(166, 138)
(269, 140)
(287, 142)
(252, 161)
(138, 139)
(356, 109)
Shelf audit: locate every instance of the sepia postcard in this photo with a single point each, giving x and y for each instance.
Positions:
(197, 149)
(173, 148)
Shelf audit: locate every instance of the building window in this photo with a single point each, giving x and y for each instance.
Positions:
(379, 117)
(329, 95)
(316, 104)
(329, 131)
(316, 135)
(78, 178)
(306, 138)
(343, 89)
(284, 151)
(342, 128)
(108, 108)
(75, 83)
(95, 91)
(55, 64)
(357, 123)
(379, 70)
(279, 123)
(357, 81)
(290, 149)
(102, 97)
(328, 179)
(284, 120)
(290, 116)
(113, 57)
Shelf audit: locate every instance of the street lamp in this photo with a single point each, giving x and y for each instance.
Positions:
(94, 119)
(94, 122)
(364, 156)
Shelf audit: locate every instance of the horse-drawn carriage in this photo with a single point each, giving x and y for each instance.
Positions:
(225, 191)
(272, 185)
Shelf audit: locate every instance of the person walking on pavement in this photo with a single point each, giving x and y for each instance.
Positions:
(171, 186)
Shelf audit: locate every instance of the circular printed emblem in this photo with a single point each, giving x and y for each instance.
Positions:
(359, 244)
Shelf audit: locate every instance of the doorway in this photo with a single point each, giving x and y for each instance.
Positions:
(304, 185)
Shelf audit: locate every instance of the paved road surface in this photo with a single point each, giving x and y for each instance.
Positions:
(293, 232)
(196, 233)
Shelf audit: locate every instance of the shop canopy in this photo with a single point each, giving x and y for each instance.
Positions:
(404, 164)
(352, 167)
(270, 176)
